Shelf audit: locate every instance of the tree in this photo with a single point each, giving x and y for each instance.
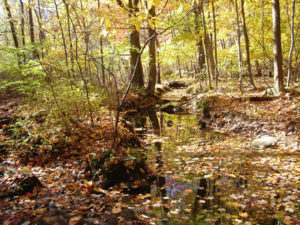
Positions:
(247, 45)
(292, 44)
(199, 42)
(135, 46)
(12, 25)
(31, 26)
(277, 51)
(215, 43)
(239, 45)
(152, 52)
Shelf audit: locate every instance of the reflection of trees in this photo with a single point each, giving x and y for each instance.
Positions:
(160, 180)
(212, 190)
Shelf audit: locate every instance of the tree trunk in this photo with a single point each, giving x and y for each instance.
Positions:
(23, 23)
(211, 56)
(292, 45)
(13, 30)
(102, 61)
(23, 27)
(135, 47)
(206, 46)
(263, 38)
(158, 63)
(247, 45)
(31, 26)
(70, 37)
(42, 35)
(199, 42)
(216, 47)
(152, 55)
(239, 45)
(12, 25)
(278, 72)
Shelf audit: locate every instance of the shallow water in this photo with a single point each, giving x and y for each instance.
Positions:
(196, 184)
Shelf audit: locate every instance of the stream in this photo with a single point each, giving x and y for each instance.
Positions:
(196, 182)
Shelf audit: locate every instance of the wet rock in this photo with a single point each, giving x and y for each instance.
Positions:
(5, 120)
(12, 104)
(177, 84)
(264, 141)
(21, 186)
(168, 109)
(52, 217)
(26, 184)
(202, 124)
(3, 148)
(170, 123)
(40, 116)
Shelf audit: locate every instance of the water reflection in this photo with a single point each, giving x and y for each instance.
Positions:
(179, 196)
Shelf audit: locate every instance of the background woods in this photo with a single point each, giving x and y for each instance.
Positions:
(80, 44)
(149, 112)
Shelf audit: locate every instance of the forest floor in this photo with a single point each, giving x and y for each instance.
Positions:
(66, 194)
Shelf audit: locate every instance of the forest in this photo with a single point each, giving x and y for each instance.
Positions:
(149, 112)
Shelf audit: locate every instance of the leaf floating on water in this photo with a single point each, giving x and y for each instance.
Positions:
(244, 215)
(188, 191)
(116, 210)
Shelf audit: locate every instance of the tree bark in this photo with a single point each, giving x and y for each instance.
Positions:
(277, 50)
(31, 29)
(247, 45)
(199, 41)
(135, 47)
(152, 55)
(39, 17)
(158, 62)
(23, 23)
(239, 45)
(292, 44)
(215, 42)
(206, 46)
(12, 25)
(263, 38)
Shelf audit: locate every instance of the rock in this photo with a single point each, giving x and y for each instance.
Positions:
(40, 116)
(54, 216)
(170, 123)
(5, 120)
(264, 141)
(12, 104)
(168, 109)
(3, 148)
(177, 84)
(202, 124)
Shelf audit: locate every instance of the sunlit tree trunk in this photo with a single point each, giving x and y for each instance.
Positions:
(23, 23)
(39, 16)
(71, 50)
(263, 38)
(247, 45)
(292, 44)
(135, 47)
(13, 30)
(206, 48)
(152, 55)
(239, 45)
(23, 27)
(199, 42)
(278, 72)
(158, 63)
(215, 44)
(31, 29)
(63, 39)
(211, 56)
(12, 25)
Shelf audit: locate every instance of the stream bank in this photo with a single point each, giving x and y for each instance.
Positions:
(202, 176)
